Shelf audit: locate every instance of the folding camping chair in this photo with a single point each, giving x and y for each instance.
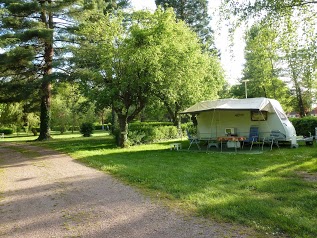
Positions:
(192, 139)
(253, 137)
(274, 137)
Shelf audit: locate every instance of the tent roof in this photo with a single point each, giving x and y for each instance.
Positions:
(262, 104)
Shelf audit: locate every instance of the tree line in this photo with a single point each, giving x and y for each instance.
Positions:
(119, 59)
(71, 59)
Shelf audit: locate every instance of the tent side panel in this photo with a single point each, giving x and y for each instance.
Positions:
(213, 123)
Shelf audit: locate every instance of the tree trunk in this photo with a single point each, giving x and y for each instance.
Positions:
(102, 120)
(114, 121)
(301, 106)
(45, 112)
(123, 132)
(47, 19)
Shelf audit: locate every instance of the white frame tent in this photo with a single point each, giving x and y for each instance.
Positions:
(214, 117)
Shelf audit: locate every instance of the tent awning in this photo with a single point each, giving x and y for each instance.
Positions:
(261, 104)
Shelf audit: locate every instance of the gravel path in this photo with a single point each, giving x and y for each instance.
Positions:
(44, 193)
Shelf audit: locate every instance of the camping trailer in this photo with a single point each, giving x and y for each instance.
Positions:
(225, 117)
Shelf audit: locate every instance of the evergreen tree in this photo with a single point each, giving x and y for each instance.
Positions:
(30, 30)
(33, 38)
(195, 14)
(107, 5)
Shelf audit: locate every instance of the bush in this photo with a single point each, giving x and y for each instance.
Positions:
(86, 129)
(6, 131)
(151, 132)
(305, 125)
(135, 137)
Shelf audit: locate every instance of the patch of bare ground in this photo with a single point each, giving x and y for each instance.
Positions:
(309, 177)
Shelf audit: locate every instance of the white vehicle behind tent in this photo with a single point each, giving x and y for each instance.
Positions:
(235, 116)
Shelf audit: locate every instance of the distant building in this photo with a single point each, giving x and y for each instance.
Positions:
(312, 113)
(292, 115)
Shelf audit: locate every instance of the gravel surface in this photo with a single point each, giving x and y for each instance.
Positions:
(44, 193)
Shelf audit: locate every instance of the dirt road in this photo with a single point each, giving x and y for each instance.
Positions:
(44, 193)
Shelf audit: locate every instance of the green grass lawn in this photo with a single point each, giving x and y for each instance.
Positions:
(274, 192)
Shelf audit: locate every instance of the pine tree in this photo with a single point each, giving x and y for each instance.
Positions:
(33, 37)
(30, 32)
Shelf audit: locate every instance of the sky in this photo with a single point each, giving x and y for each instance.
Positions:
(232, 58)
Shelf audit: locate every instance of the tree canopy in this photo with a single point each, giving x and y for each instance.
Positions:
(145, 56)
(195, 14)
(293, 25)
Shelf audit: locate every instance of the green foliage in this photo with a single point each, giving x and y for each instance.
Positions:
(28, 43)
(148, 132)
(11, 114)
(195, 14)
(70, 108)
(136, 125)
(86, 129)
(304, 126)
(262, 66)
(273, 8)
(6, 131)
(189, 126)
(152, 56)
(286, 44)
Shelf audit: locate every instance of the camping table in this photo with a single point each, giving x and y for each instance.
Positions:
(230, 138)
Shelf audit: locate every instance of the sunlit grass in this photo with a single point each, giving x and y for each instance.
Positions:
(266, 191)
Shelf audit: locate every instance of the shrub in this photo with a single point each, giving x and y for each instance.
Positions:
(135, 137)
(86, 129)
(148, 132)
(305, 125)
(6, 131)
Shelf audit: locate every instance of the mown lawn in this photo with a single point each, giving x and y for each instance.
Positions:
(274, 192)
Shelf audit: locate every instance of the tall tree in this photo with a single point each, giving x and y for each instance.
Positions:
(33, 37)
(28, 32)
(195, 14)
(299, 56)
(296, 23)
(262, 67)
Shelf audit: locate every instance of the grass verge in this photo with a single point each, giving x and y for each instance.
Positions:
(270, 191)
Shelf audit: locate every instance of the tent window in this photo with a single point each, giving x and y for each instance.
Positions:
(258, 116)
(281, 115)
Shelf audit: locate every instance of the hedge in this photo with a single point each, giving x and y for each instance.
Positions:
(6, 131)
(304, 126)
(148, 132)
